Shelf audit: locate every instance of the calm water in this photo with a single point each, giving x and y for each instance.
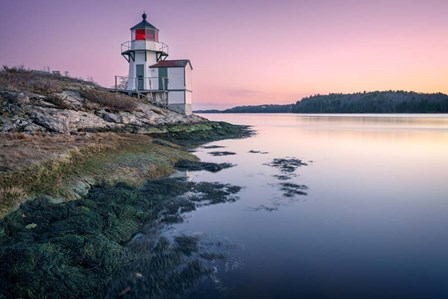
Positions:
(374, 222)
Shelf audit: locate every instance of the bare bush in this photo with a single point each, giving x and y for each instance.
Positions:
(115, 101)
(15, 69)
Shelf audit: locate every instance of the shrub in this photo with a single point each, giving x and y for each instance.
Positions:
(115, 101)
(58, 101)
(15, 69)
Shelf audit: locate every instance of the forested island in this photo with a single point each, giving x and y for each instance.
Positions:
(362, 102)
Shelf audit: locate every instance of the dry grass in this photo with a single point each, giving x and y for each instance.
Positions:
(8, 196)
(48, 84)
(114, 101)
(19, 149)
(64, 166)
(18, 78)
(30, 164)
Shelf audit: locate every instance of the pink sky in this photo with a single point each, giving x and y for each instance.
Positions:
(243, 52)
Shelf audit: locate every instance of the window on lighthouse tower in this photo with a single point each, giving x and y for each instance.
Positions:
(140, 34)
(145, 34)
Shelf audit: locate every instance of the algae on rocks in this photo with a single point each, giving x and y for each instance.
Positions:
(83, 162)
(196, 134)
(71, 165)
(198, 165)
(79, 245)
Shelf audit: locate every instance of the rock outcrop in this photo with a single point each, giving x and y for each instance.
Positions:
(68, 112)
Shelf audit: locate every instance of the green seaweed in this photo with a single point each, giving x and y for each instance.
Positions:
(170, 270)
(222, 153)
(291, 189)
(79, 245)
(80, 248)
(198, 165)
(193, 135)
(286, 165)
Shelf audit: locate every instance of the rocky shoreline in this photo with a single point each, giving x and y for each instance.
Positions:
(67, 167)
(80, 213)
(34, 103)
(83, 242)
(68, 112)
(80, 176)
(60, 136)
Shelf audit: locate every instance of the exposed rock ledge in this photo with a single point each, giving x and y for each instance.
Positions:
(30, 113)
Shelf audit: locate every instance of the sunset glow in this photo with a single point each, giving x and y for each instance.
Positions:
(243, 52)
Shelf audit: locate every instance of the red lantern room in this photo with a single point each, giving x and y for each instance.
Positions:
(144, 31)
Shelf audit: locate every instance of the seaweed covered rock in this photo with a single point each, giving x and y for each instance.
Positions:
(213, 146)
(291, 189)
(197, 166)
(78, 245)
(202, 133)
(222, 153)
(173, 267)
(286, 165)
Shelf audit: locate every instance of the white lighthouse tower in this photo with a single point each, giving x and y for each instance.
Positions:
(164, 82)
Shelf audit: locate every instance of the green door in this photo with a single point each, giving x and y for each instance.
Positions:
(140, 76)
(163, 78)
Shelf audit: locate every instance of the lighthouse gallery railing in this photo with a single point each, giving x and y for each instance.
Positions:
(160, 46)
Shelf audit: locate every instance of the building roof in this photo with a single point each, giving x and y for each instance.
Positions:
(172, 63)
(144, 24)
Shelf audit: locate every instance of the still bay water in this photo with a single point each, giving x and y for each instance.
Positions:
(374, 222)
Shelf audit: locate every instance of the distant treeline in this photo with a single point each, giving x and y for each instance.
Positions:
(253, 109)
(363, 102)
(374, 102)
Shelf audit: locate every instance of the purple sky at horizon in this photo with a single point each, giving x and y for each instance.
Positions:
(243, 52)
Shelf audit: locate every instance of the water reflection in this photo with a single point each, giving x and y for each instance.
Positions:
(372, 224)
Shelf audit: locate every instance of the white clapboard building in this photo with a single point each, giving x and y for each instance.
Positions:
(165, 82)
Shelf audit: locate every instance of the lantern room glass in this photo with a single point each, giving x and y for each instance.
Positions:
(145, 34)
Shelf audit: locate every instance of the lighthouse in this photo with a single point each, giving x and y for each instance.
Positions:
(164, 82)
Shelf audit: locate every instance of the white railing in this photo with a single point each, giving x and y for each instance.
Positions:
(163, 47)
(160, 47)
(122, 83)
(158, 97)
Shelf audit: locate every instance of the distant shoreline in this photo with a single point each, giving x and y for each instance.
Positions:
(380, 102)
